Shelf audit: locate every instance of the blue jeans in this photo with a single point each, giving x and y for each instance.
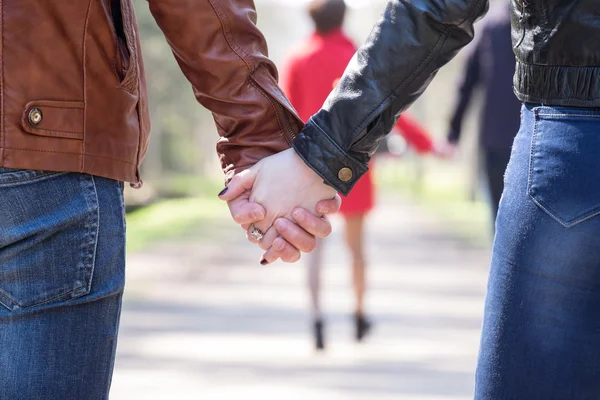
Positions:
(541, 330)
(62, 272)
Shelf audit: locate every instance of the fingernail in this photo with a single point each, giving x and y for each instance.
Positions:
(222, 192)
(258, 215)
(299, 216)
(263, 262)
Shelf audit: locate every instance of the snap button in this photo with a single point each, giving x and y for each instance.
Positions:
(35, 116)
(345, 174)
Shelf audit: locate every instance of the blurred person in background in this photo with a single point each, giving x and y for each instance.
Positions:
(309, 75)
(490, 67)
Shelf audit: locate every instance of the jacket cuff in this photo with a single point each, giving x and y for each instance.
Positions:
(337, 168)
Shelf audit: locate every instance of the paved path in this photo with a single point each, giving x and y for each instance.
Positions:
(202, 322)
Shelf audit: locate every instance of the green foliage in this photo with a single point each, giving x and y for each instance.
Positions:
(173, 219)
(175, 113)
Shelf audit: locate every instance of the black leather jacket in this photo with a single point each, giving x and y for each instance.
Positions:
(556, 43)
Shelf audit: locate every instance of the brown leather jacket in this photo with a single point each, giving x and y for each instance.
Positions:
(73, 93)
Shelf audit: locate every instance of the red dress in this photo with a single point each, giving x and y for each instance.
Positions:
(308, 77)
(362, 197)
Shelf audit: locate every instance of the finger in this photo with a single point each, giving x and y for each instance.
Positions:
(330, 206)
(240, 183)
(243, 211)
(319, 227)
(268, 238)
(295, 236)
(281, 249)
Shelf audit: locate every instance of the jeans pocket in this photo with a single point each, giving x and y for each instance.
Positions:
(564, 169)
(48, 233)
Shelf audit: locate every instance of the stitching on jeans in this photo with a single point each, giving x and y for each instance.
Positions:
(551, 213)
(15, 303)
(32, 178)
(93, 226)
(549, 210)
(569, 115)
(531, 155)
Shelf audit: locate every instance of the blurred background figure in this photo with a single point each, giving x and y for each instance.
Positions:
(490, 67)
(308, 77)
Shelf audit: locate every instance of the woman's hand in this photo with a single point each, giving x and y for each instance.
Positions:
(284, 182)
(285, 187)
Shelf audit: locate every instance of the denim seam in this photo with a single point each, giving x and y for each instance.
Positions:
(32, 178)
(92, 226)
(22, 307)
(88, 255)
(569, 115)
(549, 210)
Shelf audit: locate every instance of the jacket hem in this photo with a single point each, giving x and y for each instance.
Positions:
(96, 165)
(557, 85)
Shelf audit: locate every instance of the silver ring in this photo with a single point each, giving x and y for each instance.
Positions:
(256, 233)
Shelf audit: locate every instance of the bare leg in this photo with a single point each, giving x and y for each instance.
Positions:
(354, 241)
(315, 261)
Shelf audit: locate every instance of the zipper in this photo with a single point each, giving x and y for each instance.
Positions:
(288, 133)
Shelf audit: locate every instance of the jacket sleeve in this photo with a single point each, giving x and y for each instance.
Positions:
(224, 55)
(410, 43)
(470, 80)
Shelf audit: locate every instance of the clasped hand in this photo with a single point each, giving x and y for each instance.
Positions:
(287, 201)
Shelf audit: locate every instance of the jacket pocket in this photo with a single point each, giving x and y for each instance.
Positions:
(564, 169)
(64, 119)
(48, 232)
(125, 32)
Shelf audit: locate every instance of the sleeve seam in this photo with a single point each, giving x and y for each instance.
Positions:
(225, 26)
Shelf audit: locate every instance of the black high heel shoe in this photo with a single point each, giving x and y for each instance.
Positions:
(363, 326)
(318, 332)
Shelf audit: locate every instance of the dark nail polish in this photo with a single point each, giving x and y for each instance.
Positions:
(263, 262)
(222, 192)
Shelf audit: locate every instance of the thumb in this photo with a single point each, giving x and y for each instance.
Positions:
(239, 184)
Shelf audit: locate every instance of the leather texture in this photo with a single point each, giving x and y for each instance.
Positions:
(558, 63)
(79, 64)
